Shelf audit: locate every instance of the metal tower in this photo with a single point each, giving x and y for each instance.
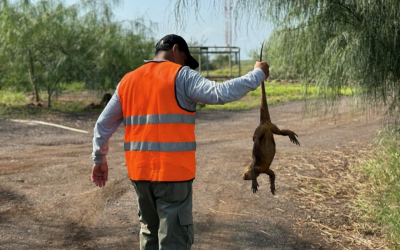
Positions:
(228, 22)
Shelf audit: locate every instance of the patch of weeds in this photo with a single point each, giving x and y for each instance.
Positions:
(381, 202)
(9, 97)
(69, 107)
(228, 106)
(28, 111)
(21, 111)
(73, 87)
(328, 186)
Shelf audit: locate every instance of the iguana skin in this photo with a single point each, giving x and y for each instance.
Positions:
(264, 146)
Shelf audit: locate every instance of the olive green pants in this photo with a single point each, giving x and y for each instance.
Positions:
(165, 215)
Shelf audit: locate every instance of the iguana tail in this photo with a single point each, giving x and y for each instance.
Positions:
(264, 112)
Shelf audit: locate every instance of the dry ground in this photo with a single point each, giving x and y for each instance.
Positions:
(47, 200)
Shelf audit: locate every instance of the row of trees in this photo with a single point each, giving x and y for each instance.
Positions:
(333, 43)
(47, 43)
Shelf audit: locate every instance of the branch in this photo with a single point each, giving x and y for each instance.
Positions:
(349, 10)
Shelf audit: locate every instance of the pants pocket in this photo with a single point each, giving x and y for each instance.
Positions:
(172, 192)
(186, 222)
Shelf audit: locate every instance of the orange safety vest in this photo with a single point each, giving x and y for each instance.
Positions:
(159, 135)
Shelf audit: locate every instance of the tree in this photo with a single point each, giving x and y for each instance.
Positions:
(335, 43)
(49, 43)
(15, 41)
(114, 48)
(38, 38)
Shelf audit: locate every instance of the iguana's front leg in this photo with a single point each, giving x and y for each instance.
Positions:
(254, 183)
(285, 132)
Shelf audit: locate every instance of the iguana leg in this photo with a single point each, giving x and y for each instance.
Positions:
(260, 131)
(285, 132)
(254, 183)
(271, 180)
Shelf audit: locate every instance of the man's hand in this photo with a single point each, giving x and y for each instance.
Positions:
(100, 174)
(264, 66)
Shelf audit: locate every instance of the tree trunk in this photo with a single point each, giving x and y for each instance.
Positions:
(49, 93)
(32, 76)
(51, 89)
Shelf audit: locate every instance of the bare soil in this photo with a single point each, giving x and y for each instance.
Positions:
(47, 200)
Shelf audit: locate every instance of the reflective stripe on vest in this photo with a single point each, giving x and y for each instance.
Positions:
(160, 146)
(157, 119)
(159, 135)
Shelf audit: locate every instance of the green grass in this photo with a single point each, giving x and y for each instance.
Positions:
(8, 97)
(74, 87)
(382, 202)
(75, 99)
(24, 111)
(277, 93)
(69, 107)
(246, 66)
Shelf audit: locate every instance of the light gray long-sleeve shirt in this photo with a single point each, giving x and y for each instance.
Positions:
(191, 88)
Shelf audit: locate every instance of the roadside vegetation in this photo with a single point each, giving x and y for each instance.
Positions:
(15, 105)
(76, 98)
(381, 201)
(277, 91)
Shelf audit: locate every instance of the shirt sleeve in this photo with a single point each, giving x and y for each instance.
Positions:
(191, 87)
(106, 125)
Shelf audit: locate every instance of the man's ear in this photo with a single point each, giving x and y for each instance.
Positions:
(175, 48)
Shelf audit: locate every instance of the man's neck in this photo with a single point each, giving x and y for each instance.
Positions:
(163, 55)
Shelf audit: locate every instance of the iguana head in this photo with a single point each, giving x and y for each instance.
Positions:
(246, 173)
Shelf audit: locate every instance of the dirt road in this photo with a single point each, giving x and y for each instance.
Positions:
(47, 200)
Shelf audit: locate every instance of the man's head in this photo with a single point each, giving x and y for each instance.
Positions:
(179, 51)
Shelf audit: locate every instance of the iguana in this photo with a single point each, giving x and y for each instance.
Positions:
(264, 144)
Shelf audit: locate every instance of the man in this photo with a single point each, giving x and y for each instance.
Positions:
(157, 104)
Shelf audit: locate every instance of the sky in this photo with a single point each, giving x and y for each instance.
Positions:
(208, 28)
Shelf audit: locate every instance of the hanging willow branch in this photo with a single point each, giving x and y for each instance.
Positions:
(334, 44)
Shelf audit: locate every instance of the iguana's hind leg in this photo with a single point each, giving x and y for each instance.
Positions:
(271, 180)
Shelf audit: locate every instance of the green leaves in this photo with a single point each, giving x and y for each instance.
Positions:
(48, 43)
(332, 44)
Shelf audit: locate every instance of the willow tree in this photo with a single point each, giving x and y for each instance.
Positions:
(335, 43)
